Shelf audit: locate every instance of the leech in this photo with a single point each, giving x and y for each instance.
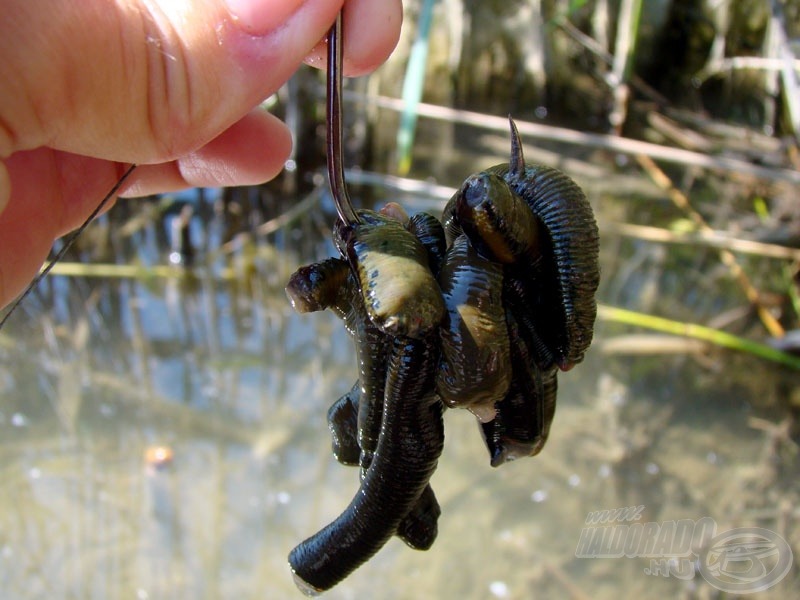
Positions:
(334, 126)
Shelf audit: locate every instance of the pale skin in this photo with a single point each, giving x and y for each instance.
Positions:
(90, 86)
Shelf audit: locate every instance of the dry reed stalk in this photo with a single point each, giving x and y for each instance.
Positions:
(610, 143)
(627, 29)
(708, 238)
(726, 256)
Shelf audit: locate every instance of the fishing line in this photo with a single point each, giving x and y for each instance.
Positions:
(334, 151)
(68, 241)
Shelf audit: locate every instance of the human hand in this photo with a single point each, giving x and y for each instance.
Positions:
(172, 85)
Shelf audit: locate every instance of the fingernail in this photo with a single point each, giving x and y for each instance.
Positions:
(258, 17)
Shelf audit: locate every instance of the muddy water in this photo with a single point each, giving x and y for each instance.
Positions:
(166, 438)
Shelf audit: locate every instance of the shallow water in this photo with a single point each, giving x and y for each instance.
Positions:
(166, 438)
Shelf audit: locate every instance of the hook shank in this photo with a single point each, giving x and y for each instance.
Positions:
(334, 125)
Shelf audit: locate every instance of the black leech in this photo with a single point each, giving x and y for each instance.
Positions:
(411, 441)
(343, 424)
(498, 223)
(419, 527)
(569, 272)
(319, 286)
(523, 419)
(428, 230)
(391, 266)
(330, 284)
(475, 366)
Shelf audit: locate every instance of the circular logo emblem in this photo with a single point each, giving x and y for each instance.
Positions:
(746, 560)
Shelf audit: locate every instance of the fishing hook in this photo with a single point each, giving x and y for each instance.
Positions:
(334, 125)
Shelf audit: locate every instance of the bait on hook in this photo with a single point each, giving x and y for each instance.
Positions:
(479, 313)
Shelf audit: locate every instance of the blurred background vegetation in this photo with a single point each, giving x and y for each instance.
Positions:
(162, 410)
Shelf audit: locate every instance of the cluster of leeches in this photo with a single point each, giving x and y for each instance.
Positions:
(478, 311)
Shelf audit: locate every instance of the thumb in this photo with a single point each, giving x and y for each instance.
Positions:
(142, 80)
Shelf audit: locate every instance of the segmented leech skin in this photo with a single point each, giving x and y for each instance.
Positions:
(428, 230)
(372, 343)
(400, 296)
(562, 266)
(475, 366)
(412, 437)
(568, 274)
(516, 429)
(520, 414)
(330, 284)
(380, 249)
(525, 414)
(573, 251)
(343, 424)
(372, 353)
(522, 300)
(355, 425)
(452, 228)
(419, 527)
(570, 253)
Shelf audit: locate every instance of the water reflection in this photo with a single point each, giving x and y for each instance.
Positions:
(212, 367)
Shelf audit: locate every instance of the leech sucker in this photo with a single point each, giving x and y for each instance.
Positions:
(497, 221)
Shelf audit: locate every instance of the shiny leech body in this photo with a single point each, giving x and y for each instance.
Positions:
(498, 222)
(475, 365)
(550, 274)
(524, 415)
(419, 528)
(379, 248)
(355, 419)
(479, 312)
(390, 422)
(556, 278)
(411, 441)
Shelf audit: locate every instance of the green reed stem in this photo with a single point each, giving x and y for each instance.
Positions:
(698, 332)
(412, 88)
